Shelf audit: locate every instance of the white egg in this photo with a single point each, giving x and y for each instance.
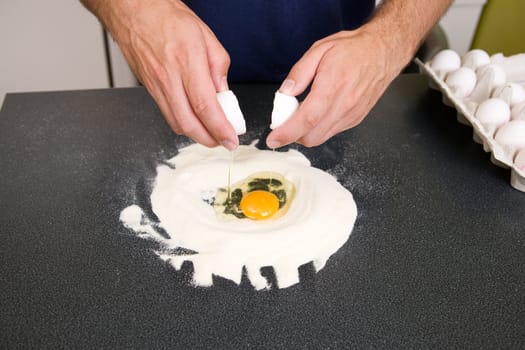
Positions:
(493, 111)
(498, 74)
(232, 110)
(512, 134)
(519, 161)
(283, 108)
(445, 61)
(518, 111)
(497, 57)
(511, 92)
(462, 80)
(475, 59)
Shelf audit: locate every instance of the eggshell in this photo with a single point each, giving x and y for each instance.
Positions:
(232, 110)
(498, 74)
(518, 111)
(493, 111)
(495, 107)
(446, 61)
(283, 108)
(512, 92)
(475, 58)
(462, 81)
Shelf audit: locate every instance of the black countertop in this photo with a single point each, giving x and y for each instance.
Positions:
(436, 259)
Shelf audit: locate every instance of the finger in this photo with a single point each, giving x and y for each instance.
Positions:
(185, 118)
(308, 116)
(347, 118)
(320, 135)
(176, 109)
(218, 60)
(310, 113)
(167, 90)
(303, 72)
(201, 94)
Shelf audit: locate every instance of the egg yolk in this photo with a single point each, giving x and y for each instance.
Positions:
(259, 205)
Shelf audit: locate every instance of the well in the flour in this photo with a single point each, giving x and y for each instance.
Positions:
(260, 196)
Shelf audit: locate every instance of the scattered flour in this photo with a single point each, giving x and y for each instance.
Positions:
(318, 223)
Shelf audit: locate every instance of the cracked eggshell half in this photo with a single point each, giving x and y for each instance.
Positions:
(518, 111)
(284, 106)
(232, 110)
(513, 93)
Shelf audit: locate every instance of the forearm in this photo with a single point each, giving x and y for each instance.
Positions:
(109, 12)
(404, 24)
(97, 7)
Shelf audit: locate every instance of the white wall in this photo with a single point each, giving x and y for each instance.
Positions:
(460, 23)
(50, 45)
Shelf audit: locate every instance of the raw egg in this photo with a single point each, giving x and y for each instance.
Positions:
(259, 205)
(260, 196)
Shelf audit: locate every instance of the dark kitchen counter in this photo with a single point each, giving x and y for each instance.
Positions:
(436, 258)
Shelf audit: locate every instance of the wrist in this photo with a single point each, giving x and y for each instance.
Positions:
(399, 44)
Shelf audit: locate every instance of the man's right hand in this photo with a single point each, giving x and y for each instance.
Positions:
(178, 59)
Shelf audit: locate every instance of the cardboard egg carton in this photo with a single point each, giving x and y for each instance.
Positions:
(488, 93)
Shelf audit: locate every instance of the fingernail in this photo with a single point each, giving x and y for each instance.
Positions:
(273, 144)
(287, 86)
(223, 84)
(229, 145)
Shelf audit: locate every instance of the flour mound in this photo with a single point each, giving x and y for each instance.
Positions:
(318, 222)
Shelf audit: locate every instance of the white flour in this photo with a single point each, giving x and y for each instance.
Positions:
(318, 223)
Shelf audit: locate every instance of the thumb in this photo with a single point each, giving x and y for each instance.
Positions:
(303, 72)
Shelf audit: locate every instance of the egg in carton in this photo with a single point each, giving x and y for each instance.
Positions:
(488, 93)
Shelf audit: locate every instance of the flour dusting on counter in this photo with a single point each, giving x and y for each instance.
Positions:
(317, 223)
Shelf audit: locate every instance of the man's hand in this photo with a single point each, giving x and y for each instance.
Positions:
(178, 59)
(350, 70)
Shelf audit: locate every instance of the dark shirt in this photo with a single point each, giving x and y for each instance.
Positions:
(266, 37)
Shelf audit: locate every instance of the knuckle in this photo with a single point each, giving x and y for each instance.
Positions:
(317, 43)
(220, 62)
(201, 107)
(311, 120)
(224, 60)
(160, 73)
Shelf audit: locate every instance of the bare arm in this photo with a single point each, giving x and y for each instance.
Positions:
(350, 70)
(406, 23)
(177, 58)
